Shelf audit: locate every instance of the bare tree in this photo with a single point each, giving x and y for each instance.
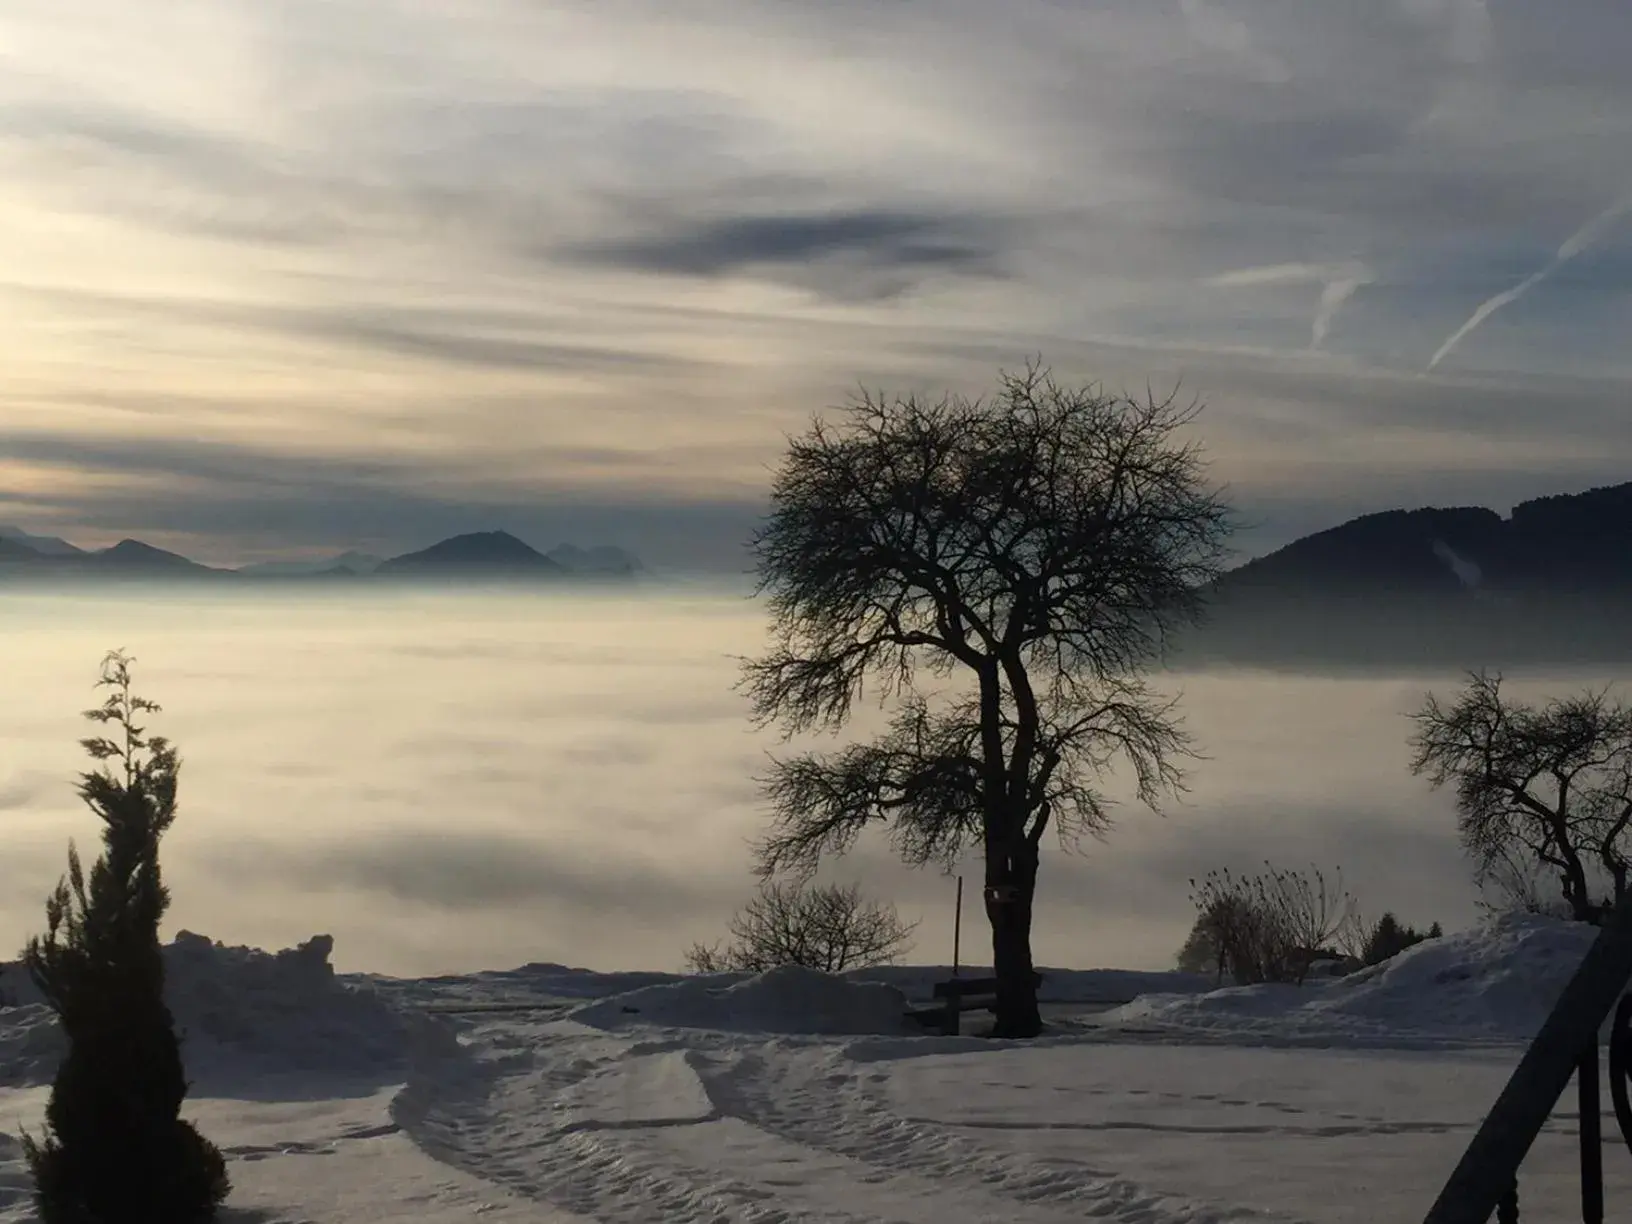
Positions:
(1354, 935)
(1549, 784)
(1239, 926)
(827, 927)
(1312, 911)
(1272, 927)
(1035, 551)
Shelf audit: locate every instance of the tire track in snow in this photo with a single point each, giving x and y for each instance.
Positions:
(835, 1107)
(794, 1131)
(487, 1114)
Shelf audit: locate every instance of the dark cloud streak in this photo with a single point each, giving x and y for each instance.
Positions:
(476, 871)
(901, 246)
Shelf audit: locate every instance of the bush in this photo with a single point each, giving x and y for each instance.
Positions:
(827, 927)
(115, 1148)
(1271, 927)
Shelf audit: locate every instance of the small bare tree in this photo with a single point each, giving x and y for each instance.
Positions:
(1273, 926)
(1238, 927)
(1311, 910)
(1549, 784)
(827, 927)
(1218, 940)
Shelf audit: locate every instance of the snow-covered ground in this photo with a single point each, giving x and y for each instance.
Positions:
(548, 1093)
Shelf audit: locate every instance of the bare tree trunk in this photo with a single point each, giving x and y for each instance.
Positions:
(1576, 892)
(1011, 885)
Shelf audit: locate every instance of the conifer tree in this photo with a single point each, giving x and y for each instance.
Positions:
(115, 1147)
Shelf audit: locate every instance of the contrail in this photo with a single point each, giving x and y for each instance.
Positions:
(1585, 237)
(1487, 308)
(1332, 297)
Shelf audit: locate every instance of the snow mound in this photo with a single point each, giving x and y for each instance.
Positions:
(554, 981)
(242, 1009)
(788, 999)
(1499, 980)
(1059, 985)
(1495, 982)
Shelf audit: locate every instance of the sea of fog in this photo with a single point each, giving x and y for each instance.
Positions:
(448, 782)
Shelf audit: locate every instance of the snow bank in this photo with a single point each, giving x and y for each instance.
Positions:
(242, 1008)
(566, 982)
(548, 984)
(533, 985)
(1059, 985)
(1495, 982)
(789, 999)
(1502, 979)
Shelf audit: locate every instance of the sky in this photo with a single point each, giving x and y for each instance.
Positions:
(285, 279)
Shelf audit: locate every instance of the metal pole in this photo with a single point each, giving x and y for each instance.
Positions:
(1591, 1129)
(957, 929)
(1499, 1146)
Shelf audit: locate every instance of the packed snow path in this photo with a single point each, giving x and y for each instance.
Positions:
(693, 1126)
(696, 1128)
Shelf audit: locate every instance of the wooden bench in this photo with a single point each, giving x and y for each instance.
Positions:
(958, 995)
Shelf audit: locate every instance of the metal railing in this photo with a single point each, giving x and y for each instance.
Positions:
(1486, 1180)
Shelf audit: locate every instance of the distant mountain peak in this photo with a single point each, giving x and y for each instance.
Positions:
(44, 545)
(135, 552)
(474, 552)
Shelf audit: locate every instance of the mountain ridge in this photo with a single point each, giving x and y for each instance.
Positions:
(50, 546)
(1437, 587)
(483, 552)
(1562, 543)
(472, 555)
(1441, 587)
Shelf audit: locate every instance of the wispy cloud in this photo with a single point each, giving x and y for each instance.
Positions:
(1339, 283)
(1214, 27)
(1582, 240)
(1272, 274)
(1332, 296)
